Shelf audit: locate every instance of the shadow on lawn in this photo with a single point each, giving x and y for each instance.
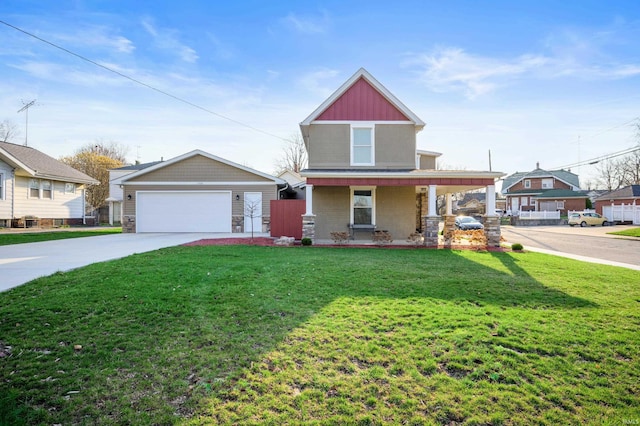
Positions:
(189, 320)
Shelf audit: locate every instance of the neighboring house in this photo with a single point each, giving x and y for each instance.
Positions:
(295, 185)
(543, 190)
(364, 171)
(115, 191)
(197, 192)
(621, 205)
(36, 189)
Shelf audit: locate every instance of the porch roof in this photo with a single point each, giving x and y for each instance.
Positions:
(454, 180)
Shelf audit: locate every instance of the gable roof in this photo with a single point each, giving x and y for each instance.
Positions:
(138, 166)
(361, 78)
(40, 165)
(631, 191)
(191, 154)
(538, 173)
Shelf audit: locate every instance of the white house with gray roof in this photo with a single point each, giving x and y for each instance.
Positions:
(36, 189)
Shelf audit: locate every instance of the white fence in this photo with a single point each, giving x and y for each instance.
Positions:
(531, 215)
(622, 213)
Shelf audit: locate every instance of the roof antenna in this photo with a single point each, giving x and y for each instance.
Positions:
(26, 125)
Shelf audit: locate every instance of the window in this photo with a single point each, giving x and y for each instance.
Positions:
(527, 183)
(69, 188)
(547, 183)
(524, 201)
(362, 203)
(34, 188)
(560, 205)
(46, 189)
(362, 146)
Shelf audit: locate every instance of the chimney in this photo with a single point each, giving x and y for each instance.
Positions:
(537, 164)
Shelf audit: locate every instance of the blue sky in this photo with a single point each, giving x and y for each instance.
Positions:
(532, 81)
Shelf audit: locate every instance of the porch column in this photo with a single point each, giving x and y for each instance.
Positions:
(449, 221)
(491, 220)
(308, 218)
(431, 222)
(491, 200)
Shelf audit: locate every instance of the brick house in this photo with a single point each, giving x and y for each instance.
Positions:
(543, 190)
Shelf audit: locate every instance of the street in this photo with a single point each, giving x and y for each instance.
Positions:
(590, 241)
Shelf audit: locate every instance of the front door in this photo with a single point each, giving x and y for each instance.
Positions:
(253, 212)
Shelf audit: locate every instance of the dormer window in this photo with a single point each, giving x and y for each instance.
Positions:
(547, 183)
(362, 145)
(527, 183)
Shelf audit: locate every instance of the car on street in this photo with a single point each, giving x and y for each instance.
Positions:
(467, 222)
(587, 219)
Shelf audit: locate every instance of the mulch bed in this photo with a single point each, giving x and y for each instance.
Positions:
(264, 241)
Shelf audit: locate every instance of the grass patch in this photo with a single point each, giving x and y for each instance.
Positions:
(633, 232)
(268, 335)
(35, 237)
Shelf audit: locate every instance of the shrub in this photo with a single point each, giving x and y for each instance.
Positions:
(516, 246)
(306, 241)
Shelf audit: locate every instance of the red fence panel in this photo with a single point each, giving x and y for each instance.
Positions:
(286, 218)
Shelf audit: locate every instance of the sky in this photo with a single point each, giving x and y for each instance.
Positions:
(549, 82)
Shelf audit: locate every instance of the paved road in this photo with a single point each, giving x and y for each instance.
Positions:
(592, 242)
(20, 263)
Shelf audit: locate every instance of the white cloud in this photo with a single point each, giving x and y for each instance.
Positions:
(167, 39)
(96, 36)
(307, 24)
(314, 81)
(453, 69)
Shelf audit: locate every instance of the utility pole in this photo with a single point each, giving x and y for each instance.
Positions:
(26, 125)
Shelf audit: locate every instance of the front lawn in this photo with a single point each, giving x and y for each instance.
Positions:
(13, 237)
(269, 335)
(633, 232)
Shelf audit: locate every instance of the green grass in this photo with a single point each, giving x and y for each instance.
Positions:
(267, 335)
(7, 238)
(633, 232)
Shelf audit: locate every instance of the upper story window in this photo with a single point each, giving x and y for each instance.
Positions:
(34, 188)
(527, 183)
(547, 183)
(362, 145)
(69, 188)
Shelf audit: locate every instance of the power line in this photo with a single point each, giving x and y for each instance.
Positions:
(141, 83)
(600, 158)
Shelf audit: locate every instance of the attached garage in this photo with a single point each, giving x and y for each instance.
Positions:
(197, 192)
(164, 211)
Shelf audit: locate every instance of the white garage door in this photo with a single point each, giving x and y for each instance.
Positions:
(183, 211)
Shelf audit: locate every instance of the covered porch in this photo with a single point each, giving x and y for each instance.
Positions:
(397, 203)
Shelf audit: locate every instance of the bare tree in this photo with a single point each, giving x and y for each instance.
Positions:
(8, 131)
(294, 155)
(252, 209)
(609, 175)
(96, 159)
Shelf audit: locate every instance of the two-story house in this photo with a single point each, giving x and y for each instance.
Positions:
(543, 190)
(365, 172)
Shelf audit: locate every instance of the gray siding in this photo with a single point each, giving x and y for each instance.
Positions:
(329, 146)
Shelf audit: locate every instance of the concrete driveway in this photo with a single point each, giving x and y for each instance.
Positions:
(20, 263)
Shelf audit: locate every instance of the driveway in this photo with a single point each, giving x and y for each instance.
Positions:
(592, 244)
(20, 263)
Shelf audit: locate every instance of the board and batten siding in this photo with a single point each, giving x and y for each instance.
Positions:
(62, 206)
(6, 180)
(198, 169)
(269, 192)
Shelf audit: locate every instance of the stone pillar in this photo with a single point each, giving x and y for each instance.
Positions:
(492, 230)
(430, 230)
(449, 227)
(309, 226)
(128, 224)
